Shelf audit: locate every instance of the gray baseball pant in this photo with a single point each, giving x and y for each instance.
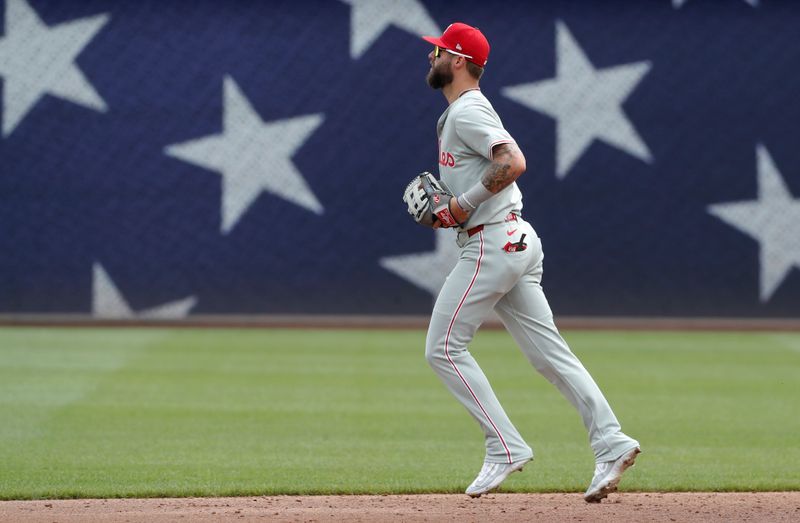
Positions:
(487, 277)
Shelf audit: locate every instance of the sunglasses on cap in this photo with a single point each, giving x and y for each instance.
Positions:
(438, 51)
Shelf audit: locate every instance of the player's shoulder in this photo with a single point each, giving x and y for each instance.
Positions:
(474, 98)
(473, 101)
(474, 107)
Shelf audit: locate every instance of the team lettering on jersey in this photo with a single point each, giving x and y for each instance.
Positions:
(445, 158)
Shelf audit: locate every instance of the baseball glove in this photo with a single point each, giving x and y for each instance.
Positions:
(428, 201)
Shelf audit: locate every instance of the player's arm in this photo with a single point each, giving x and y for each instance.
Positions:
(508, 163)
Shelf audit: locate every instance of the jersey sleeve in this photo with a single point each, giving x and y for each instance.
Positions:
(479, 127)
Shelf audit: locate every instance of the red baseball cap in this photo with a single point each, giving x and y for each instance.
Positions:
(465, 40)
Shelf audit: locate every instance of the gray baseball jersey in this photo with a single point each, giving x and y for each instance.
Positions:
(500, 268)
(468, 130)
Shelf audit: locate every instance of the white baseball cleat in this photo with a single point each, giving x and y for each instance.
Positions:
(491, 475)
(607, 476)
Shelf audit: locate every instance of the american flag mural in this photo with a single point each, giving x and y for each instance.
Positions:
(165, 158)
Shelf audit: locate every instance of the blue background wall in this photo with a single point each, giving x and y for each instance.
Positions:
(115, 207)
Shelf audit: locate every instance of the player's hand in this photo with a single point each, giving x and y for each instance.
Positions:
(458, 213)
(431, 203)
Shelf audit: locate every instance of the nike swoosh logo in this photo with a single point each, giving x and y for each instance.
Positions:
(511, 232)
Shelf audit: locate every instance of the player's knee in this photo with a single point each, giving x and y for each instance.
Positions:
(434, 350)
(431, 354)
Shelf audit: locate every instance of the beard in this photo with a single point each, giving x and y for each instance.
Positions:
(440, 75)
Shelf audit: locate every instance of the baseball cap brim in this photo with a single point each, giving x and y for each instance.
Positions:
(435, 41)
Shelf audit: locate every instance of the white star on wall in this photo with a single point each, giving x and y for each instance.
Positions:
(773, 220)
(586, 103)
(36, 60)
(677, 4)
(427, 270)
(108, 302)
(370, 18)
(252, 156)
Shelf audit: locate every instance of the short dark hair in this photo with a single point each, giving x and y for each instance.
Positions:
(475, 71)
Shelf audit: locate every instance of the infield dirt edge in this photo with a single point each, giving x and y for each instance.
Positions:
(629, 506)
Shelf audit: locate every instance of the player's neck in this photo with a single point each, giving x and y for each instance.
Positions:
(456, 88)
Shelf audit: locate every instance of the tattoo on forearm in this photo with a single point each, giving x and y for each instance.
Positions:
(499, 175)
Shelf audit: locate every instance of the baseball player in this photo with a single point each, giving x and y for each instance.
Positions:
(500, 269)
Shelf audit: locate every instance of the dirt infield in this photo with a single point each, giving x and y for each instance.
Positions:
(639, 507)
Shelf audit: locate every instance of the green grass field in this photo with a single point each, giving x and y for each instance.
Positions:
(159, 412)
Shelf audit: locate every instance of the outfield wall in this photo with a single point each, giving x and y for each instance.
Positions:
(164, 159)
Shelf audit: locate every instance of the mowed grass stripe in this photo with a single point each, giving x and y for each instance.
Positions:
(147, 412)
